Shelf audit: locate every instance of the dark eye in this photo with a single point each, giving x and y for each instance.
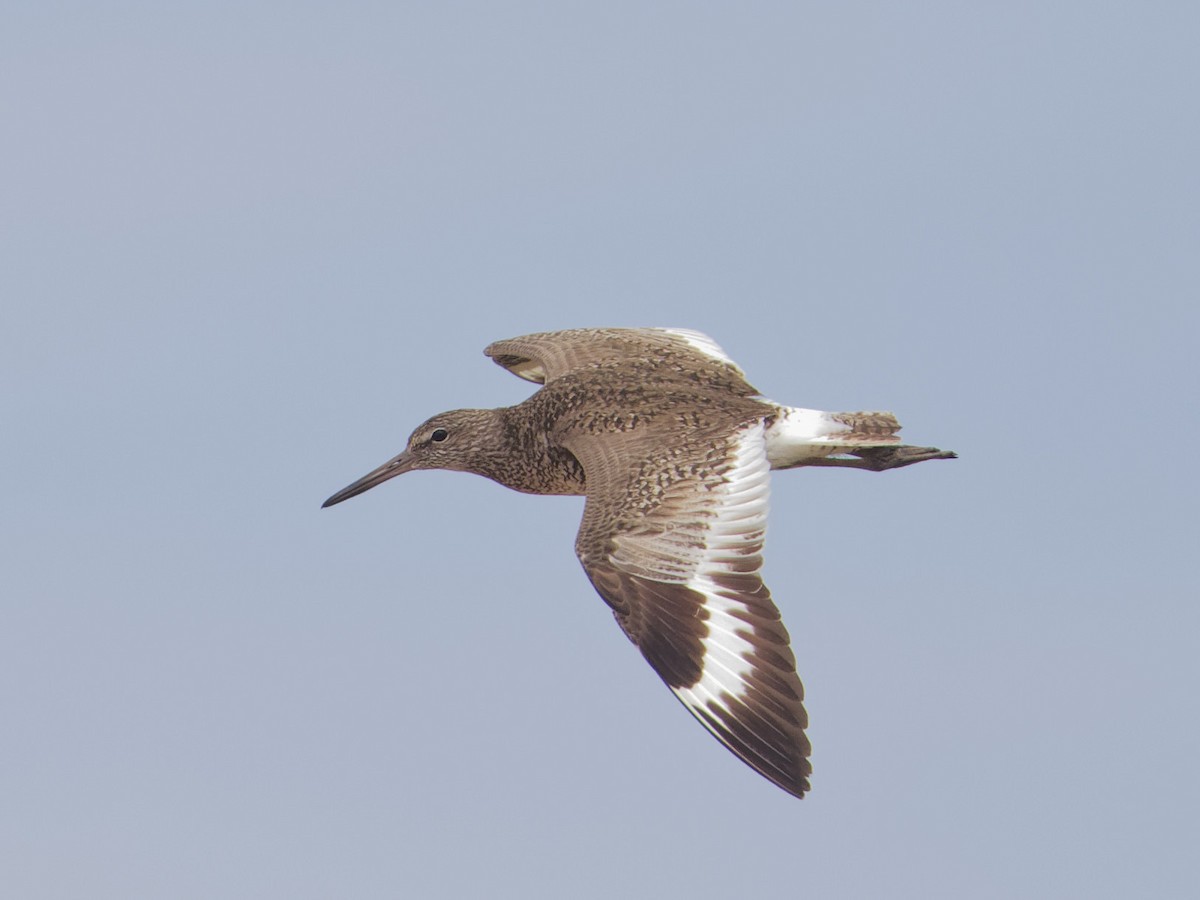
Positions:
(439, 435)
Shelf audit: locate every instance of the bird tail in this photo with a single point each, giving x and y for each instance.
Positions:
(861, 440)
(797, 436)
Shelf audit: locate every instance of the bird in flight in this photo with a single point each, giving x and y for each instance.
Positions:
(660, 430)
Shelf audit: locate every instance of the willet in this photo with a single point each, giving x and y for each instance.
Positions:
(673, 448)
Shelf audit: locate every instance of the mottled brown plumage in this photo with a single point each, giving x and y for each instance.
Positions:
(672, 447)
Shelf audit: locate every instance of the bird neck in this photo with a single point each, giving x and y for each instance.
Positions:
(521, 456)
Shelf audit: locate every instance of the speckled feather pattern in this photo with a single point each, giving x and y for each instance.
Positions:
(673, 448)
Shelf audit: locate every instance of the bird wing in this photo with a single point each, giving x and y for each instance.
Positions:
(672, 540)
(543, 357)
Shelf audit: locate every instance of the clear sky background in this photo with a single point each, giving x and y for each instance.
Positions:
(246, 248)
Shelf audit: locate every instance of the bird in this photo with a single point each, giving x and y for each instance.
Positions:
(672, 448)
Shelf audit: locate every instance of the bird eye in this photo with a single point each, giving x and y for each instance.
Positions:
(439, 435)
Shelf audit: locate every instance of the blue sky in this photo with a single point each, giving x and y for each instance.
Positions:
(245, 249)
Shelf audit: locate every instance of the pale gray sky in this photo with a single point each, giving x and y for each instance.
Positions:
(245, 248)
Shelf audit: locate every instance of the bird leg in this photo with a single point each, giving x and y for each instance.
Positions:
(877, 459)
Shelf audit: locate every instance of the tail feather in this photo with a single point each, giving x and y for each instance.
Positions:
(858, 440)
(795, 436)
(866, 427)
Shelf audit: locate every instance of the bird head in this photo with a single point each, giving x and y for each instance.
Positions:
(460, 439)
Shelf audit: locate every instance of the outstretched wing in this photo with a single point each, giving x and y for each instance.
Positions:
(673, 544)
(543, 357)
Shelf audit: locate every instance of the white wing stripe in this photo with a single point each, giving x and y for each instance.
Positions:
(734, 534)
(702, 343)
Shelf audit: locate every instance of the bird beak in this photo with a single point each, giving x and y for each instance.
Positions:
(397, 465)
